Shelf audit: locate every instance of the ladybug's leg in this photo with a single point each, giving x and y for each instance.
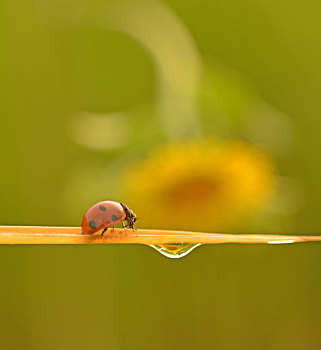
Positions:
(104, 231)
(131, 225)
(124, 226)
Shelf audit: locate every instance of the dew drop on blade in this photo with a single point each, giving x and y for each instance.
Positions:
(175, 250)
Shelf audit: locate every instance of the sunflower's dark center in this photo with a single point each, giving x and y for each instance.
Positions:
(193, 191)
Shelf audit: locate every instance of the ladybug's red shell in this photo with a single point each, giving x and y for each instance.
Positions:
(101, 216)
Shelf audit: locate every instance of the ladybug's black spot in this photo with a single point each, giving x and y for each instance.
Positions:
(92, 224)
(114, 217)
(102, 208)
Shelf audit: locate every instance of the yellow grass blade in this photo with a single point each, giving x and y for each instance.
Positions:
(72, 235)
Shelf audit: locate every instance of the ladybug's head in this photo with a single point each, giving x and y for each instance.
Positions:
(131, 218)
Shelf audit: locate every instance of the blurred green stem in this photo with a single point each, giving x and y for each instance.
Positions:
(176, 58)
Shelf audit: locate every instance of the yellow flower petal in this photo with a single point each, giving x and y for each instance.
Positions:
(205, 186)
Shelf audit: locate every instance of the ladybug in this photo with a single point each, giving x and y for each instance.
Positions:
(105, 214)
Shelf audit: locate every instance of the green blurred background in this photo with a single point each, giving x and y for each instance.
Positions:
(87, 88)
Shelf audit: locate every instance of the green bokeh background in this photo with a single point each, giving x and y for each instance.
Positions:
(55, 62)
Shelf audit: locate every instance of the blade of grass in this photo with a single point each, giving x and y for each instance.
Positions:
(72, 235)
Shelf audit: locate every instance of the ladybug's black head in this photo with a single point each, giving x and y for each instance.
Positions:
(130, 216)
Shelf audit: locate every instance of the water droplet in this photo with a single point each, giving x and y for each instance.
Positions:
(175, 250)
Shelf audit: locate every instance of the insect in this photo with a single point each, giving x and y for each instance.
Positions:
(105, 214)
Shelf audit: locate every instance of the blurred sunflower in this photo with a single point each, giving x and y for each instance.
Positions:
(199, 186)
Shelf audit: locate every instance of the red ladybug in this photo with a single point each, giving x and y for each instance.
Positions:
(105, 214)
